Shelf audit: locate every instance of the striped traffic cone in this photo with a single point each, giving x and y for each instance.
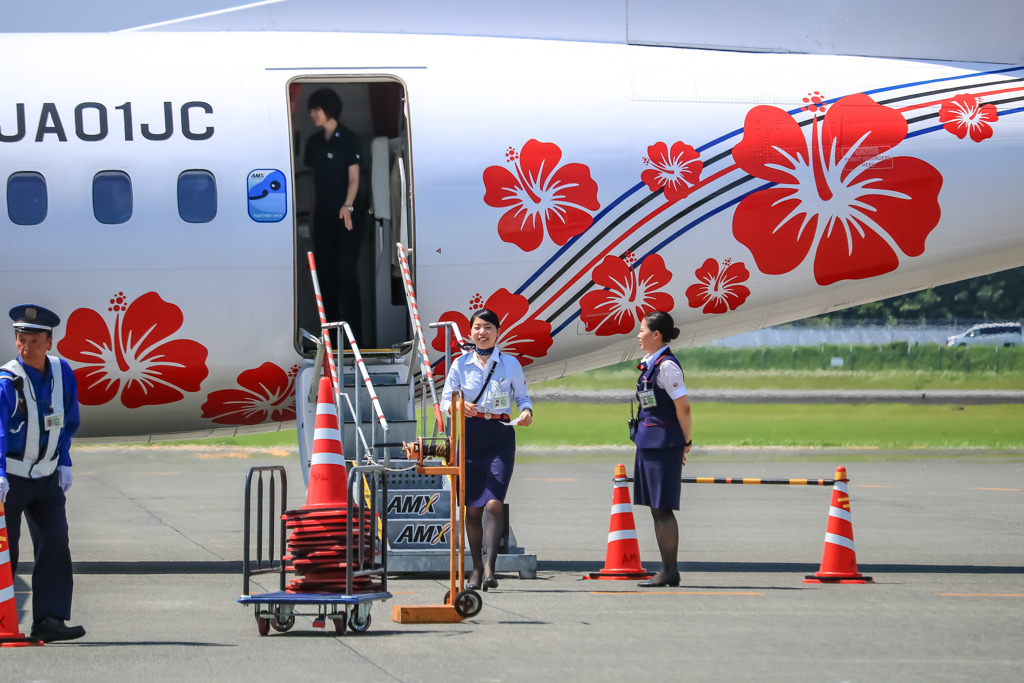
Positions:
(839, 560)
(9, 634)
(328, 478)
(622, 559)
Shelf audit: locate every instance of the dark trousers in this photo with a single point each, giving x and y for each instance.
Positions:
(42, 502)
(337, 266)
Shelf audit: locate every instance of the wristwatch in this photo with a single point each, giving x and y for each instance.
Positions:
(347, 206)
(687, 444)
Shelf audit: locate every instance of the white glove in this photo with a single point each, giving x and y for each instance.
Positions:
(4, 487)
(64, 477)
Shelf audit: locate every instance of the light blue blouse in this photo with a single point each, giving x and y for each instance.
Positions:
(468, 376)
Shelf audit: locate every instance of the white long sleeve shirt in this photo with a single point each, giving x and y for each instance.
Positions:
(468, 373)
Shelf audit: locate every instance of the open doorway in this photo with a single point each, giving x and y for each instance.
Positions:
(359, 276)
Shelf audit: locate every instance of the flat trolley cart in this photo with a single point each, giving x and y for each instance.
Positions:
(342, 569)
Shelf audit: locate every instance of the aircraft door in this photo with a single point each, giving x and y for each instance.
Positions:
(357, 269)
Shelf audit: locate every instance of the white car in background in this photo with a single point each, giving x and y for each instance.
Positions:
(992, 334)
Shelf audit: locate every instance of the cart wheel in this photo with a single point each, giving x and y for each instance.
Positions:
(263, 626)
(282, 624)
(356, 625)
(339, 625)
(468, 603)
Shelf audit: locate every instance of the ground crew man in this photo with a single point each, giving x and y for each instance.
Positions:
(38, 417)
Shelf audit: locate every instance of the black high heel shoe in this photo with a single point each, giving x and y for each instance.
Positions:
(655, 582)
(490, 582)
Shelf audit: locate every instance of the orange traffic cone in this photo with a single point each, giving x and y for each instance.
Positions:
(622, 559)
(9, 634)
(839, 560)
(328, 478)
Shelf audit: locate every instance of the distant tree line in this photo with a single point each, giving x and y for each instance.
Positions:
(995, 297)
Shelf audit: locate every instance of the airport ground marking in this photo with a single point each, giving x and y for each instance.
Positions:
(985, 488)
(981, 595)
(711, 593)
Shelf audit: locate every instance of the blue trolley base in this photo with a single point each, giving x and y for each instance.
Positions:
(277, 610)
(284, 598)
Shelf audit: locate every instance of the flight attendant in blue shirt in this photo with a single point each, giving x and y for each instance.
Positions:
(38, 417)
(663, 439)
(490, 381)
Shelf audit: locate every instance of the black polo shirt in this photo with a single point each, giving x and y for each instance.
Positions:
(330, 158)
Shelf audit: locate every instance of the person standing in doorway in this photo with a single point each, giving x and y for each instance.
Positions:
(334, 154)
(663, 439)
(38, 417)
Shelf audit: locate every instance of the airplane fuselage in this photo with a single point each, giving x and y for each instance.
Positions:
(572, 187)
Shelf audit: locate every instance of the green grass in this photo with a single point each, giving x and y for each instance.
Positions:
(883, 426)
(890, 366)
(615, 378)
(874, 426)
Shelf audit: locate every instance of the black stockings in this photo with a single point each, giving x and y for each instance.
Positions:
(475, 533)
(666, 530)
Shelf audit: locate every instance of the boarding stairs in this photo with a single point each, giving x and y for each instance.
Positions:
(417, 512)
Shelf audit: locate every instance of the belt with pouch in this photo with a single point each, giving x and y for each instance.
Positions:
(491, 416)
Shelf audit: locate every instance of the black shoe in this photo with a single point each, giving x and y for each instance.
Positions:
(655, 582)
(52, 629)
(490, 582)
(472, 586)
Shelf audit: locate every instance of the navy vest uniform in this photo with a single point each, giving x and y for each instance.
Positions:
(658, 426)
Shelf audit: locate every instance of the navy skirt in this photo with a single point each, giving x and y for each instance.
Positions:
(657, 475)
(490, 457)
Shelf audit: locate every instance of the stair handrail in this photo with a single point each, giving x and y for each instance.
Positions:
(414, 314)
(335, 384)
(374, 401)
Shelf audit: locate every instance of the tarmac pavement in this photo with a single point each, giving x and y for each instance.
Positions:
(157, 542)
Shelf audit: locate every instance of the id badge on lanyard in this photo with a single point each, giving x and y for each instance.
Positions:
(501, 402)
(53, 421)
(646, 397)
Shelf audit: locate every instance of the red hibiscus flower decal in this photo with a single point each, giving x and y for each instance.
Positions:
(718, 288)
(839, 195)
(526, 339)
(630, 294)
(540, 196)
(677, 172)
(966, 114)
(134, 357)
(267, 394)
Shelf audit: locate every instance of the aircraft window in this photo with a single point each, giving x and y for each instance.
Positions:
(197, 196)
(26, 198)
(112, 197)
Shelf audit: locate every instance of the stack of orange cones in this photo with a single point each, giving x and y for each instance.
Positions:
(317, 543)
(10, 636)
(622, 559)
(839, 559)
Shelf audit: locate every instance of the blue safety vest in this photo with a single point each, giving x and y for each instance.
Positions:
(24, 429)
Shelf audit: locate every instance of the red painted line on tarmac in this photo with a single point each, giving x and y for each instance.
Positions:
(981, 595)
(675, 593)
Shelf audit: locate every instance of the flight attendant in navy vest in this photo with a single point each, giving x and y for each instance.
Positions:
(490, 382)
(38, 417)
(663, 439)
